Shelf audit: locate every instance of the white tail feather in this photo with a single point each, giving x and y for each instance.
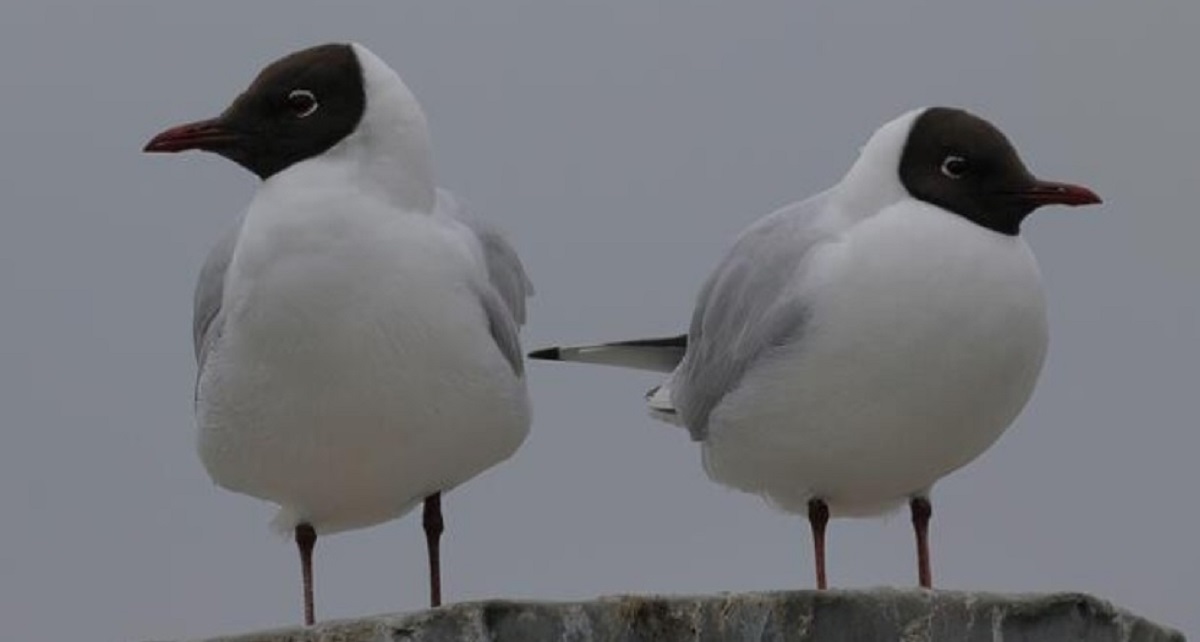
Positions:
(658, 404)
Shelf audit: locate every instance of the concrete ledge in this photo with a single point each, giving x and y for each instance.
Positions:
(833, 616)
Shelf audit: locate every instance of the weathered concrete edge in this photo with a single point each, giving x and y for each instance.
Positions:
(480, 620)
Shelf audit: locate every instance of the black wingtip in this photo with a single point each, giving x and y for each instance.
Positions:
(547, 354)
(676, 341)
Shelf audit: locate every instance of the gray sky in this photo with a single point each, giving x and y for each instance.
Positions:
(622, 145)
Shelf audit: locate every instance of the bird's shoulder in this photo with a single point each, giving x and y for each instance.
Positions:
(753, 301)
(500, 281)
(207, 320)
(495, 255)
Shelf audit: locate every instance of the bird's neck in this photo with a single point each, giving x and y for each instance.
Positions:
(390, 147)
(873, 182)
(866, 189)
(391, 158)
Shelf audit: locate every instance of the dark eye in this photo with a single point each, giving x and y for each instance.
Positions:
(302, 103)
(954, 167)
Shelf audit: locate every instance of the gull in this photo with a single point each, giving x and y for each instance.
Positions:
(357, 333)
(853, 348)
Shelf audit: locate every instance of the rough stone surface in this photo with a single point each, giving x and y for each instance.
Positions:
(832, 616)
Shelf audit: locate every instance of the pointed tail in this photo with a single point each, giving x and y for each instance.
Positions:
(659, 355)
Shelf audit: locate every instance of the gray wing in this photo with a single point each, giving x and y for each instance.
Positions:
(207, 320)
(505, 271)
(503, 328)
(747, 307)
(508, 286)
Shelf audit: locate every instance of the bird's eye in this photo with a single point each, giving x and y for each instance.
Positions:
(302, 103)
(954, 167)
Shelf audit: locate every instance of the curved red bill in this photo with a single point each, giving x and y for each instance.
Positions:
(204, 134)
(1051, 193)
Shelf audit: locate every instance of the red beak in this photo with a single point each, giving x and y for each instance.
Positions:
(1050, 193)
(205, 134)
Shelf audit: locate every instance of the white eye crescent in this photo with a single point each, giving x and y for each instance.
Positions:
(954, 166)
(302, 102)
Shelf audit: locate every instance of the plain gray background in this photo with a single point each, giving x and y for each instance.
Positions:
(622, 145)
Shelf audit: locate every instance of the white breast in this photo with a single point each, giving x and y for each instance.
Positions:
(356, 373)
(926, 338)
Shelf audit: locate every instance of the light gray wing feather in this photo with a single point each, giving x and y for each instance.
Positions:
(508, 286)
(747, 307)
(659, 354)
(207, 320)
(505, 271)
(504, 330)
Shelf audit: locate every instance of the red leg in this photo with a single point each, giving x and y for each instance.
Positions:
(818, 517)
(306, 541)
(922, 510)
(433, 533)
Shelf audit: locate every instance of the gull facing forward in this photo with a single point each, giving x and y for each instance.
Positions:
(357, 335)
